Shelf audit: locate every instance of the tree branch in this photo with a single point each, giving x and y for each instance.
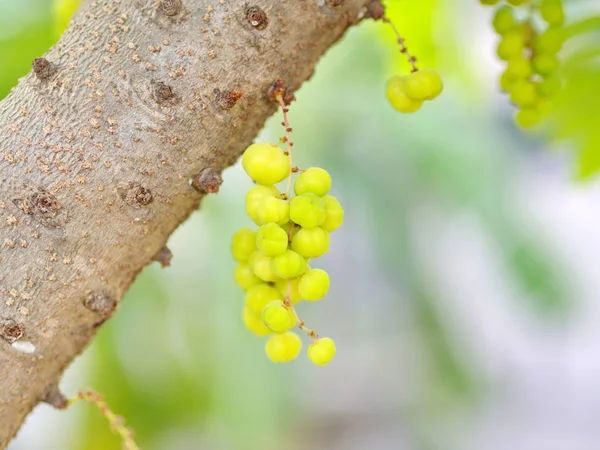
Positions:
(97, 147)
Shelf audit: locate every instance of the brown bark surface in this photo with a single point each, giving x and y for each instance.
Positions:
(97, 147)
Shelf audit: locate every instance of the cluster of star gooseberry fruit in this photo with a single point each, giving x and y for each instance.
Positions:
(274, 261)
(530, 47)
(406, 93)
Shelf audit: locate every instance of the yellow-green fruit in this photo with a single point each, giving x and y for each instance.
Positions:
(273, 209)
(516, 2)
(254, 323)
(425, 84)
(258, 296)
(283, 348)
(506, 81)
(244, 276)
(511, 45)
(308, 210)
(523, 93)
(504, 20)
(265, 163)
(271, 239)
(397, 97)
(334, 213)
(518, 67)
(552, 12)
(488, 2)
(528, 117)
(289, 287)
(314, 180)
(254, 199)
(321, 351)
(277, 317)
(243, 243)
(311, 243)
(288, 265)
(545, 63)
(550, 41)
(262, 267)
(313, 285)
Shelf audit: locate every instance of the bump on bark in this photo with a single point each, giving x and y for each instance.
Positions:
(170, 7)
(226, 99)
(164, 257)
(134, 194)
(163, 93)
(42, 206)
(256, 17)
(100, 303)
(43, 68)
(208, 180)
(375, 10)
(54, 397)
(335, 2)
(11, 330)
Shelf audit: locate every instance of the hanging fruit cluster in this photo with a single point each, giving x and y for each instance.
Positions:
(275, 260)
(406, 93)
(531, 36)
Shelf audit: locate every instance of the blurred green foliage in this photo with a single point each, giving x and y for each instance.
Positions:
(577, 109)
(26, 31)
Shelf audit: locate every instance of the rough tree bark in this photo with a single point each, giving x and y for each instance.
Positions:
(97, 147)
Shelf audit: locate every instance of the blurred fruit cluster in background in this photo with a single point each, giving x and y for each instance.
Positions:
(465, 287)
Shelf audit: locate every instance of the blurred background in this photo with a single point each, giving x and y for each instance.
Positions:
(465, 282)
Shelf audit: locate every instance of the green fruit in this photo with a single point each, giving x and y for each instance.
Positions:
(314, 180)
(504, 20)
(396, 95)
(288, 265)
(265, 163)
(313, 285)
(271, 239)
(308, 210)
(311, 243)
(283, 348)
(243, 243)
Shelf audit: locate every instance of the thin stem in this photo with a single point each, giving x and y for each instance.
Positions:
(116, 422)
(288, 129)
(412, 60)
(312, 333)
(288, 140)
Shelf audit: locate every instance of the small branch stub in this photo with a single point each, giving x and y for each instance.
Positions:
(43, 68)
(11, 330)
(164, 257)
(170, 7)
(54, 397)
(278, 89)
(208, 181)
(257, 17)
(101, 303)
(375, 10)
